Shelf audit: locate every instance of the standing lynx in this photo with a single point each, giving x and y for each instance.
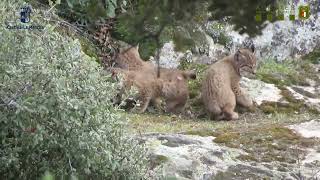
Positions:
(130, 60)
(172, 84)
(220, 88)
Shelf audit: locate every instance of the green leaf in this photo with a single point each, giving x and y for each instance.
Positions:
(111, 8)
(47, 176)
(70, 4)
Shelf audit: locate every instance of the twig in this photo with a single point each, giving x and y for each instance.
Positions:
(70, 164)
(316, 174)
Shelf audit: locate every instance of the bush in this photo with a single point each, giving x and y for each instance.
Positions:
(87, 12)
(55, 113)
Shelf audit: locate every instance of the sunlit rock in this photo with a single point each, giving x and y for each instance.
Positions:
(260, 91)
(308, 129)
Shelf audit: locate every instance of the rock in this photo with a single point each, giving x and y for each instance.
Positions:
(217, 52)
(308, 129)
(309, 95)
(205, 60)
(169, 58)
(195, 157)
(279, 40)
(260, 91)
(241, 171)
(189, 156)
(312, 157)
(284, 39)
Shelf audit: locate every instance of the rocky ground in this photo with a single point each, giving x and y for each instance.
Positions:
(258, 147)
(278, 139)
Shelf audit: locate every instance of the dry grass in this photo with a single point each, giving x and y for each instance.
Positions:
(162, 123)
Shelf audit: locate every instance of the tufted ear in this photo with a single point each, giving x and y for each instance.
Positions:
(252, 48)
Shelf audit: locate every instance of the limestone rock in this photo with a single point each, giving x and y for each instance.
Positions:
(195, 157)
(310, 95)
(308, 129)
(169, 58)
(260, 91)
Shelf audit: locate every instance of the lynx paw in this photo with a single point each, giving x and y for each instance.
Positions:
(234, 116)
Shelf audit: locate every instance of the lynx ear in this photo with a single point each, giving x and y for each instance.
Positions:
(252, 48)
(137, 47)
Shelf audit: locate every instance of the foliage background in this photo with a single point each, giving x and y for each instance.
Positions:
(55, 108)
(153, 22)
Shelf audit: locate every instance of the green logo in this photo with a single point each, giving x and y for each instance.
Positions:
(304, 12)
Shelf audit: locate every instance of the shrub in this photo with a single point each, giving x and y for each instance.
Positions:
(55, 113)
(87, 12)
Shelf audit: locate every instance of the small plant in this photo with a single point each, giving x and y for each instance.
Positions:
(270, 66)
(279, 73)
(313, 57)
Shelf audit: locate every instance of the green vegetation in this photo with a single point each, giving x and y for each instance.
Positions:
(223, 39)
(147, 46)
(286, 73)
(313, 57)
(265, 138)
(269, 66)
(88, 12)
(88, 48)
(194, 85)
(164, 123)
(56, 113)
(226, 137)
(153, 22)
(265, 144)
(145, 21)
(273, 72)
(158, 160)
(290, 107)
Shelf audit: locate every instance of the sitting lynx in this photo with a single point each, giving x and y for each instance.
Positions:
(220, 88)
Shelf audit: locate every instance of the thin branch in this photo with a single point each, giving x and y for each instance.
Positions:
(316, 174)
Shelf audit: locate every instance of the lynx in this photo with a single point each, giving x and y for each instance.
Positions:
(171, 86)
(220, 88)
(174, 82)
(130, 60)
(177, 93)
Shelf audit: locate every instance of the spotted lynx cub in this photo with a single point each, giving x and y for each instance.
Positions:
(171, 86)
(220, 88)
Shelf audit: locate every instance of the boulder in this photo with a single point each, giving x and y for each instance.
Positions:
(194, 157)
(260, 91)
